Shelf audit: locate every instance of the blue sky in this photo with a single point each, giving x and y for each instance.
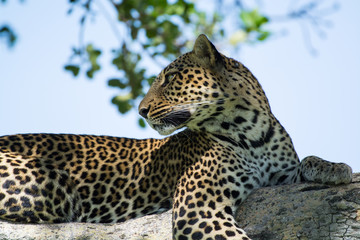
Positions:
(316, 98)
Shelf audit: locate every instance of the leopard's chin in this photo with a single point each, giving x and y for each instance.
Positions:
(171, 122)
(164, 129)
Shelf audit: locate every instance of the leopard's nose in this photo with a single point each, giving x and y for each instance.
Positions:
(144, 112)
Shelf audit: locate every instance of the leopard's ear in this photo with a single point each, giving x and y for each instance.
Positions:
(206, 55)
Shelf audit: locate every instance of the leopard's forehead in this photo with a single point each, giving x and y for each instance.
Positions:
(187, 60)
(181, 62)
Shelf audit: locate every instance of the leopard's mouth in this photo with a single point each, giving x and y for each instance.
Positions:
(171, 121)
(176, 118)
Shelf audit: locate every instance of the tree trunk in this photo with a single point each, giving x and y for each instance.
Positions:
(299, 211)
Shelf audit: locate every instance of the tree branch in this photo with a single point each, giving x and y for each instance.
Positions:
(303, 211)
(298, 211)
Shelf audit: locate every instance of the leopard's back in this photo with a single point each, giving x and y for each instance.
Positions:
(64, 177)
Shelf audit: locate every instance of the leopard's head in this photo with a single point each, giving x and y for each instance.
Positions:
(201, 90)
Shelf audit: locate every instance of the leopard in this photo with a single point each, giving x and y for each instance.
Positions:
(227, 143)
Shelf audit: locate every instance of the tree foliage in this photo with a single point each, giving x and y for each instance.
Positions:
(160, 30)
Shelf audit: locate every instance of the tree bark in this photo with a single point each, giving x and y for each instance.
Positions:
(306, 211)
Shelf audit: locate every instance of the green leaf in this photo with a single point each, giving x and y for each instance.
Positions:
(93, 55)
(123, 103)
(253, 20)
(142, 123)
(114, 82)
(90, 72)
(263, 35)
(74, 69)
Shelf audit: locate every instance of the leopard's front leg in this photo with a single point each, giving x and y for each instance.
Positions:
(205, 202)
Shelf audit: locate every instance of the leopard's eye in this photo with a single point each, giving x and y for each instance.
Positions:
(168, 78)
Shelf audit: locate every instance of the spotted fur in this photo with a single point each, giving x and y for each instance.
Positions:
(232, 145)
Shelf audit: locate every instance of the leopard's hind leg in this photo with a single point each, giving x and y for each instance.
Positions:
(315, 169)
(34, 190)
